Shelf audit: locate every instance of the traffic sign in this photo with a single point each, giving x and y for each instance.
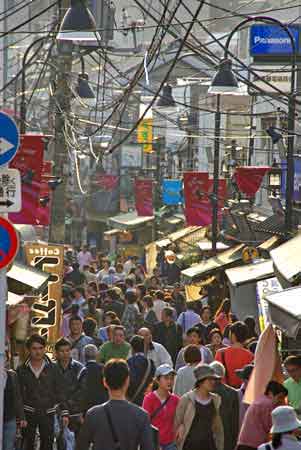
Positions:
(9, 138)
(9, 242)
(10, 191)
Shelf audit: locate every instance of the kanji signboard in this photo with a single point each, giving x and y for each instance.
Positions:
(9, 242)
(145, 134)
(10, 191)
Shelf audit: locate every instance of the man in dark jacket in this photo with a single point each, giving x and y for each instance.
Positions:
(91, 388)
(127, 422)
(142, 371)
(42, 390)
(229, 409)
(169, 334)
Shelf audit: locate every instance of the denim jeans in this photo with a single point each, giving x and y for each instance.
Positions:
(171, 446)
(9, 434)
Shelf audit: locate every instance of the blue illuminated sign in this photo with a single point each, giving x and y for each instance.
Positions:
(272, 40)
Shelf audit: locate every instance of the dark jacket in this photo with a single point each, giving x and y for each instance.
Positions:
(205, 330)
(71, 383)
(131, 423)
(138, 365)
(150, 320)
(44, 394)
(170, 337)
(91, 388)
(13, 405)
(229, 411)
(116, 306)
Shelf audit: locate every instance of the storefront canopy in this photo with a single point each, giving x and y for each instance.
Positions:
(14, 299)
(287, 260)
(206, 245)
(208, 267)
(22, 279)
(250, 273)
(129, 221)
(285, 310)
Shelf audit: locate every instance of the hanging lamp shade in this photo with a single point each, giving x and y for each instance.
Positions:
(224, 81)
(166, 99)
(83, 88)
(78, 24)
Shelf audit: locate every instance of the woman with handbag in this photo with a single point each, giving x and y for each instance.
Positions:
(161, 406)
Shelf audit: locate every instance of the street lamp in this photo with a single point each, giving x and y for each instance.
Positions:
(166, 99)
(78, 24)
(225, 82)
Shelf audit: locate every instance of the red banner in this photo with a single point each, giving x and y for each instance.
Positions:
(144, 197)
(198, 198)
(29, 161)
(249, 179)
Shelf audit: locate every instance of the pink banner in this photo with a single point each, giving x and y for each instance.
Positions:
(144, 197)
(249, 179)
(198, 204)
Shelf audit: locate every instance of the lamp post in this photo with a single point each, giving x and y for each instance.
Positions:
(226, 82)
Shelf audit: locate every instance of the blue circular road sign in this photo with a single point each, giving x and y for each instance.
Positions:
(9, 242)
(9, 138)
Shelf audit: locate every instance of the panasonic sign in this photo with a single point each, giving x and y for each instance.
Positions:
(272, 40)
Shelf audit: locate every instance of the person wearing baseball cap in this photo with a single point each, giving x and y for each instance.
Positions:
(284, 430)
(198, 421)
(161, 406)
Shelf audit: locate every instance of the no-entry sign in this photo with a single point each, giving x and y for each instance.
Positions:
(9, 242)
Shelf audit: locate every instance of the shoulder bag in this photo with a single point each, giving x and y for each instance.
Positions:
(156, 412)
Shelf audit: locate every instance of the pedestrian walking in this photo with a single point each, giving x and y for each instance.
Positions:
(216, 341)
(42, 389)
(285, 429)
(198, 422)
(153, 350)
(78, 339)
(188, 319)
(117, 423)
(292, 365)
(169, 333)
(194, 337)
(185, 379)
(222, 317)
(142, 371)
(206, 324)
(258, 419)
(161, 406)
(117, 348)
(229, 409)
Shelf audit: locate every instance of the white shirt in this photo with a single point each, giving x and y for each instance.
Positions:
(37, 372)
(159, 305)
(159, 355)
(84, 259)
(289, 442)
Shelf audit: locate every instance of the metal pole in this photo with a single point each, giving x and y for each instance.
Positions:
(62, 102)
(214, 200)
(3, 298)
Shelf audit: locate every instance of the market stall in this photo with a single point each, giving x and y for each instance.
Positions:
(287, 262)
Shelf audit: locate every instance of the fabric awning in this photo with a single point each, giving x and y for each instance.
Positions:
(14, 299)
(286, 259)
(129, 220)
(252, 272)
(22, 279)
(112, 232)
(270, 244)
(285, 310)
(206, 245)
(223, 259)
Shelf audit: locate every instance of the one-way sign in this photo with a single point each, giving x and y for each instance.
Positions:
(10, 191)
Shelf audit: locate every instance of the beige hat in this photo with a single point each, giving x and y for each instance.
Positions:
(203, 371)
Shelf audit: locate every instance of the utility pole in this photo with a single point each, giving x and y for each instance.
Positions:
(217, 133)
(60, 158)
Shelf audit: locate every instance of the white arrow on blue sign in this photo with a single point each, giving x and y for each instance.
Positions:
(9, 138)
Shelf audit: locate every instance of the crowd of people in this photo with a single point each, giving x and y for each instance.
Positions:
(137, 366)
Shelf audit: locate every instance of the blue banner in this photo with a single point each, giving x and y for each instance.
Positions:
(172, 192)
(297, 179)
(272, 40)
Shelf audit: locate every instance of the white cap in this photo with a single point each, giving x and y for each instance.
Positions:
(284, 419)
(164, 369)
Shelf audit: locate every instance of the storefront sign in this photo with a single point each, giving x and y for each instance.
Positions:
(172, 192)
(144, 197)
(272, 40)
(263, 289)
(278, 77)
(46, 311)
(145, 135)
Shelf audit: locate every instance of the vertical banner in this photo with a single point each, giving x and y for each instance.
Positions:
(198, 201)
(105, 198)
(29, 161)
(145, 134)
(249, 179)
(144, 197)
(172, 192)
(46, 311)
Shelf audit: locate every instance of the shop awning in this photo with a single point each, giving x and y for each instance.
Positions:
(252, 272)
(22, 279)
(287, 260)
(112, 232)
(285, 310)
(222, 260)
(129, 220)
(206, 245)
(270, 244)
(14, 299)
(174, 220)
